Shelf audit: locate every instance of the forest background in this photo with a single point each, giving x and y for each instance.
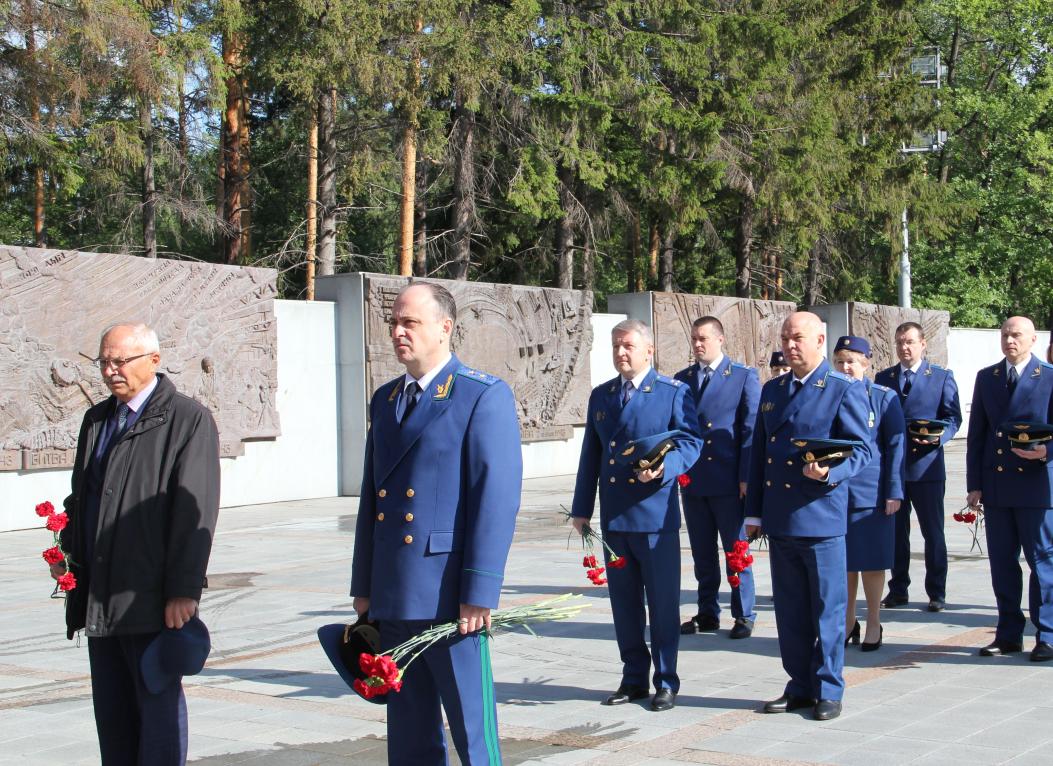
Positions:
(730, 147)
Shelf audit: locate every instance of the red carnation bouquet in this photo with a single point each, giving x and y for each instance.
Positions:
(739, 560)
(975, 516)
(384, 672)
(683, 480)
(593, 570)
(56, 522)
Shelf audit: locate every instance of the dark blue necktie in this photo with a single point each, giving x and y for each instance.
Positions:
(410, 395)
(706, 375)
(797, 386)
(908, 379)
(1011, 380)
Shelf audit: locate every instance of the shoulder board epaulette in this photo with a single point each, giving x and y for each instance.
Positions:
(839, 376)
(477, 375)
(741, 366)
(1047, 365)
(881, 388)
(937, 367)
(669, 381)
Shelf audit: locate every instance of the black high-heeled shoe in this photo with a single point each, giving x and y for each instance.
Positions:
(853, 637)
(865, 647)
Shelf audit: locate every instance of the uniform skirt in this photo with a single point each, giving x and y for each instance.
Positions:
(870, 544)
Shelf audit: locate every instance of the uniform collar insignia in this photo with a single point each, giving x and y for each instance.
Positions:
(928, 370)
(1037, 372)
(821, 383)
(442, 390)
(396, 389)
(998, 371)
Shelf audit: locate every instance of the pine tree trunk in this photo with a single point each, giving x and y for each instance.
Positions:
(588, 266)
(743, 245)
(632, 253)
(420, 222)
(146, 131)
(409, 167)
(654, 245)
(327, 182)
(811, 279)
(565, 232)
(246, 173)
(463, 189)
(231, 150)
(312, 196)
(39, 183)
(666, 282)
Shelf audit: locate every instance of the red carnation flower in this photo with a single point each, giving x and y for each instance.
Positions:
(733, 581)
(67, 582)
(57, 522)
(369, 690)
(589, 562)
(596, 575)
(683, 480)
(45, 509)
(959, 517)
(53, 555)
(618, 562)
(969, 517)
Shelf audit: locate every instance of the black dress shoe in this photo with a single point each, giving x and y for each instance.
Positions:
(786, 703)
(743, 628)
(936, 605)
(663, 699)
(865, 647)
(700, 624)
(853, 635)
(997, 648)
(626, 693)
(1042, 652)
(827, 710)
(891, 602)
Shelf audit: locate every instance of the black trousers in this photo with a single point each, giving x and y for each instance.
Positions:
(136, 728)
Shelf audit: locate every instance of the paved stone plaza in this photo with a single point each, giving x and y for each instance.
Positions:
(268, 695)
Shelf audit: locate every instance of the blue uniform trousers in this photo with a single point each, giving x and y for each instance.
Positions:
(652, 569)
(926, 497)
(136, 728)
(706, 517)
(811, 595)
(1009, 530)
(453, 674)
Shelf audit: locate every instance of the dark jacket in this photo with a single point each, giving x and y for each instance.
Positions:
(157, 516)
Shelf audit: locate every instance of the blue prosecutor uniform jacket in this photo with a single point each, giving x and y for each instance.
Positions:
(627, 505)
(933, 396)
(882, 479)
(1006, 480)
(726, 413)
(439, 499)
(828, 407)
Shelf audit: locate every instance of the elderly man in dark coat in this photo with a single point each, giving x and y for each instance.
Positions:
(142, 518)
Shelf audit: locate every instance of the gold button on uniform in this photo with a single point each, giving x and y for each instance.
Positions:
(787, 486)
(768, 483)
(410, 492)
(789, 462)
(382, 493)
(999, 434)
(709, 441)
(407, 539)
(773, 438)
(709, 425)
(613, 443)
(999, 468)
(769, 461)
(380, 516)
(999, 451)
(632, 481)
(709, 458)
(409, 517)
(612, 461)
(612, 480)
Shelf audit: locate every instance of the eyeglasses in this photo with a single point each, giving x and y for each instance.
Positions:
(118, 363)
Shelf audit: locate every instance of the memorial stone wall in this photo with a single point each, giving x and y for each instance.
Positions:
(215, 323)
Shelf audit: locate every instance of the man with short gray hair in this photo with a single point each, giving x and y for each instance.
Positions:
(142, 516)
(639, 509)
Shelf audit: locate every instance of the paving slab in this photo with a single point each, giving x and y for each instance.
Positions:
(269, 697)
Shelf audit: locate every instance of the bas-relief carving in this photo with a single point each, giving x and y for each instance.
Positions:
(751, 328)
(216, 325)
(536, 339)
(878, 325)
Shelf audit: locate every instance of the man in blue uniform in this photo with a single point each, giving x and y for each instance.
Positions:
(927, 392)
(639, 511)
(803, 508)
(1015, 487)
(725, 396)
(440, 493)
